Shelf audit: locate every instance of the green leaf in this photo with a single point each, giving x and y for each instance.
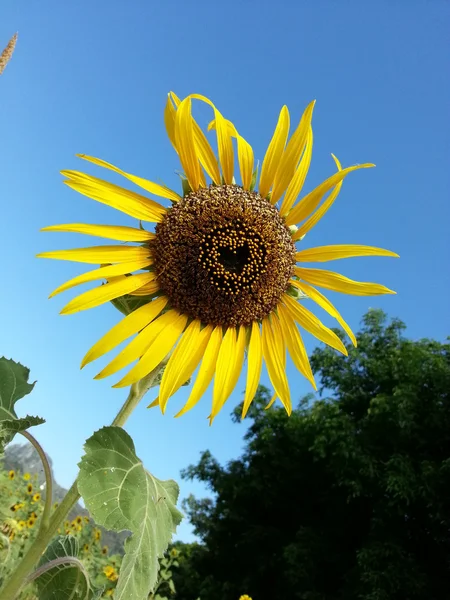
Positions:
(13, 386)
(9, 427)
(127, 304)
(64, 576)
(121, 495)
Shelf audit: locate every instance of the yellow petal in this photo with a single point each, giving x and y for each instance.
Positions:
(272, 401)
(169, 120)
(113, 232)
(292, 154)
(125, 328)
(245, 153)
(274, 353)
(295, 344)
(254, 366)
(228, 368)
(154, 403)
(319, 213)
(232, 131)
(138, 345)
(274, 152)
(157, 351)
(206, 154)
(184, 138)
(184, 360)
(106, 293)
(128, 202)
(340, 283)
(225, 148)
(97, 255)
(326, 253)
(312, 324)
(146, 290)
(324, 303)
(224, 141)
(103, 273)
(149, 186)
(246, 162)
(297, 181)
(307, 204)
(204, 150)
(206, 371)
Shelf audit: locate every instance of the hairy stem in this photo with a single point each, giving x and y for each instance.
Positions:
(18, 578)
(48, 480)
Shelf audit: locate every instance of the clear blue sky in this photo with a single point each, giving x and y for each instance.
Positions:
(92, 77)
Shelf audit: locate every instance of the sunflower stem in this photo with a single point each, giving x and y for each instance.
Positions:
(48, 480)
(48, 529)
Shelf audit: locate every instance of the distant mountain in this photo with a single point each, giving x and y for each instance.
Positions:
(25, 459)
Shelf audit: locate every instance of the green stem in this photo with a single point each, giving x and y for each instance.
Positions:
(48, 480)
(18, 578)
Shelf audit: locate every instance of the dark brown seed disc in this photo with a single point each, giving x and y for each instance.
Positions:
(223, 255)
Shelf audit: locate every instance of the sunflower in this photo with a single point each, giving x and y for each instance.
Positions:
(221, 273)
(110, 573)
(244, 597)
(36, 497)
(97, 535)
(31, 522)
(27, 476)
(11, 474)
(105, 550)
(30, 488)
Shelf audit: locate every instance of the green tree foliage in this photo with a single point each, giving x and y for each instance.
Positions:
(349, 498)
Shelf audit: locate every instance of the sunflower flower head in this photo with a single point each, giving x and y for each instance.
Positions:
(218, 273)
(31, 522)
(37, 497)
(30, 488)
(244, 597)
(11, 474)
(105, 550)
(97, 535)
(110, 573)
(26, 476)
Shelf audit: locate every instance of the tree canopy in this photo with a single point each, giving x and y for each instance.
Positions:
(349, 498)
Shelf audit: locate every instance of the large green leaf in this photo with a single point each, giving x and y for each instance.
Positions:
(13, 386)
(121, 495)
(63, 575)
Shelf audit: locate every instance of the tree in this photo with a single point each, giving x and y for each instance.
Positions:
(349, 498)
